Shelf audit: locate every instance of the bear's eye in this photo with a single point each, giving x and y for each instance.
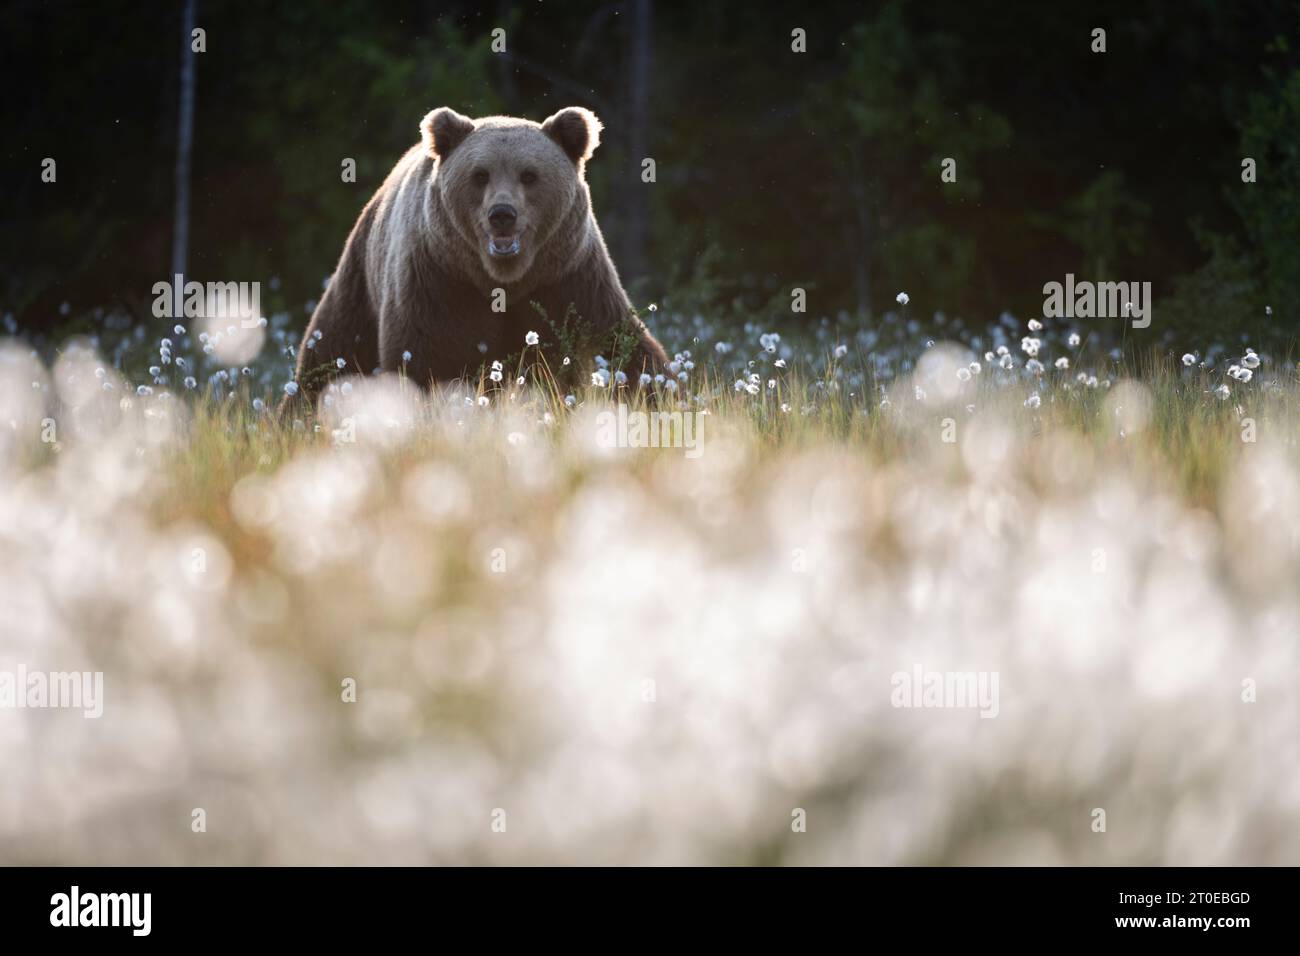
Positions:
(528, 178)
(480, 177)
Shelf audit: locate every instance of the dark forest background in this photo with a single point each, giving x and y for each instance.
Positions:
(774, 168)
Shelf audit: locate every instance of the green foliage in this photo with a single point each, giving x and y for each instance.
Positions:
(380, 81)
(1245, 279)
(898, 106)
(1108, 224)
(1220, 300)
(776, 169)
(1270, 207)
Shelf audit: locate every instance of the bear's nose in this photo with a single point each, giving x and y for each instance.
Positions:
(502, 217)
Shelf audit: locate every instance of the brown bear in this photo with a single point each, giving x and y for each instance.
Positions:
(476, 227)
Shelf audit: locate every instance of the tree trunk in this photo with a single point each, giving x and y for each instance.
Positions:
(506, 67)
(862, 208)
(637, 228)
(184, 146)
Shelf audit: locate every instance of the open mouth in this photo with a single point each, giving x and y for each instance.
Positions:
(503, 246)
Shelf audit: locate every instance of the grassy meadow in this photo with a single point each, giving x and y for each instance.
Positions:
(468, 627)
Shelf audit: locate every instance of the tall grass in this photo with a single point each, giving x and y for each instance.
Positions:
(627, 654)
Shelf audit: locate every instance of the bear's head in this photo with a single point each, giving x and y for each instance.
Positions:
(509, 185)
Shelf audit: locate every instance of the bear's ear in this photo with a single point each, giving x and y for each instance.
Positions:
(576, 130)
(443, 130)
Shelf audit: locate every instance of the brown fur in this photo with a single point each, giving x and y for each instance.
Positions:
(415, 275)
